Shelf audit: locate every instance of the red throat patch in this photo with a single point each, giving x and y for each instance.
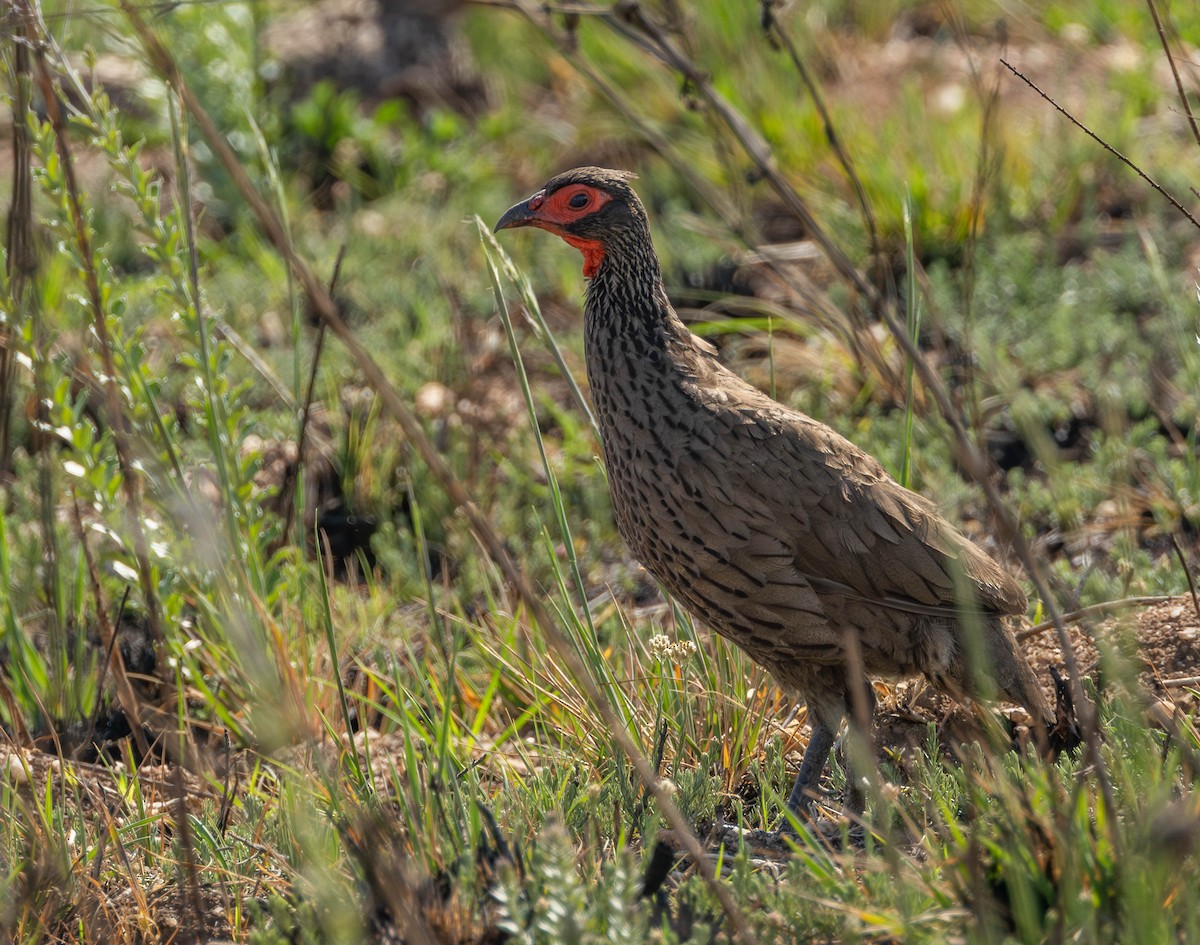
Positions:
(593, 253)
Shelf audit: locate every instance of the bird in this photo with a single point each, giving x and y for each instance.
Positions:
(774, 530)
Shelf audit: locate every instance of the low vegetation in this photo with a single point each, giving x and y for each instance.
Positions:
(314, 623)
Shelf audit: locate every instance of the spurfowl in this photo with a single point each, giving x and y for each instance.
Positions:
(771, 528)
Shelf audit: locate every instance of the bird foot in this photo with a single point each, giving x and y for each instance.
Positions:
(826, 832)
(759, 844)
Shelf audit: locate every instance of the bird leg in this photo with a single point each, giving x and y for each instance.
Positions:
(820, 743)
(800, 801)
(815, 755)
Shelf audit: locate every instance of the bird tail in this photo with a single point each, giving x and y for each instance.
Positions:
(1014, 676)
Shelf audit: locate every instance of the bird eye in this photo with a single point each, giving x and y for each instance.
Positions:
(578, 201)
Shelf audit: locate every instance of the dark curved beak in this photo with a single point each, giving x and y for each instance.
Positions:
(518, 215)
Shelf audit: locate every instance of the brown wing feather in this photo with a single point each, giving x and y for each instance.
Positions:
(850, 526)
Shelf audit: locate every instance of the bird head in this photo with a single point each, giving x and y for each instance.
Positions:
(592, 208)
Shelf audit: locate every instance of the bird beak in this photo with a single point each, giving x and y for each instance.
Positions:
(519, 215)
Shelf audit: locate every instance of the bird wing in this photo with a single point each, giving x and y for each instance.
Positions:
(851, 529)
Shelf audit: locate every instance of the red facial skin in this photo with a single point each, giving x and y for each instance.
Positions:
(555, 213)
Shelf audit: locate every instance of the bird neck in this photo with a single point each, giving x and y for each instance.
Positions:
(634, 341)
(626, 300)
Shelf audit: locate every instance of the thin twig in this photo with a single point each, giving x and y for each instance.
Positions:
(489, 539)
(1180, 683)
(1103, 609)
(1187, 573)
(1183, 99)
(771, 24)
(1104, 144)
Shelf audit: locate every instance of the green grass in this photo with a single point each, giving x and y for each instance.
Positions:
(398, 742)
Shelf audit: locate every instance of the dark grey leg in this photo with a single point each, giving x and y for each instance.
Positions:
(815, 756)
